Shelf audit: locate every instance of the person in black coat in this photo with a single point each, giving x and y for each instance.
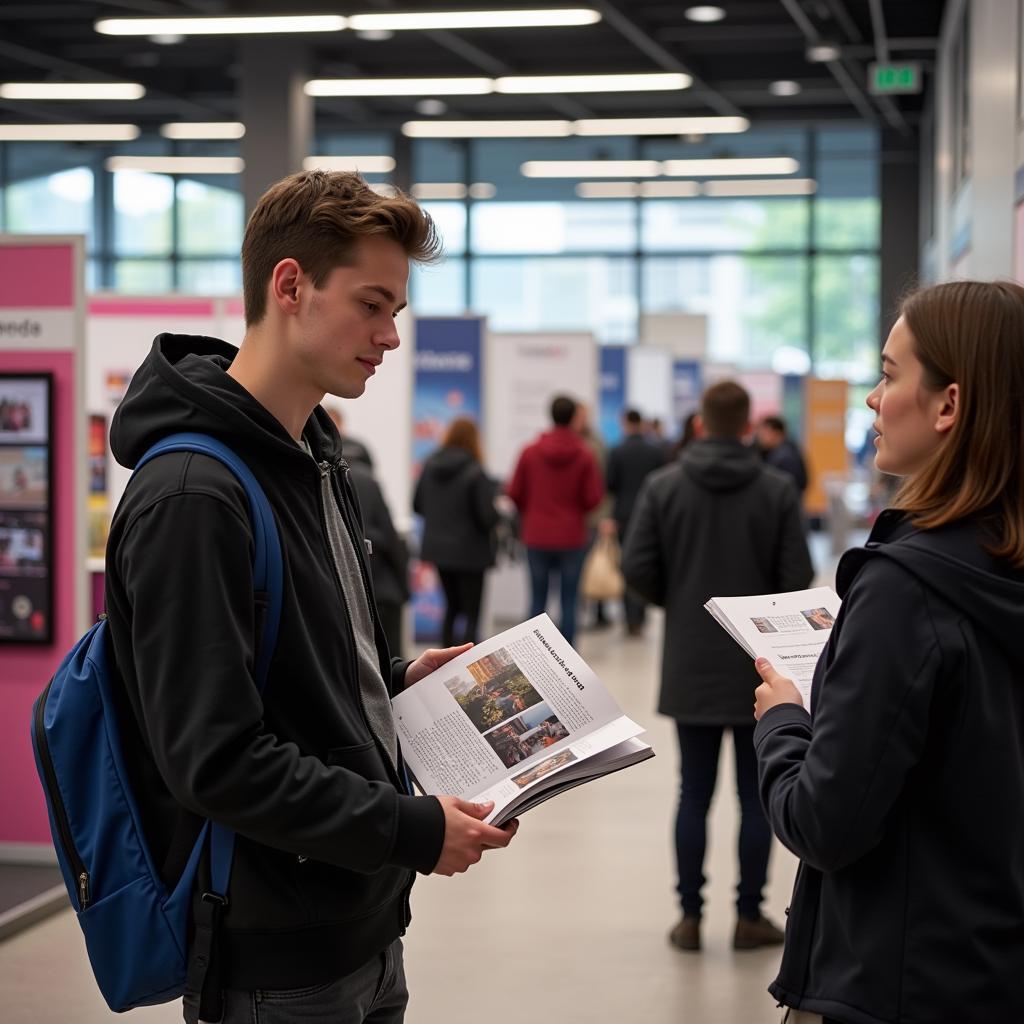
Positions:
(901, 788)
(389, 559)
(455, 497)
(629, 463)
(716, 523)
(780, 451)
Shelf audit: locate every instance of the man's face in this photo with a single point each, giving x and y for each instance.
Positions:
(344, 329)
(768, 437)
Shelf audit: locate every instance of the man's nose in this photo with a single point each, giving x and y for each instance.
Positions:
(388, 337)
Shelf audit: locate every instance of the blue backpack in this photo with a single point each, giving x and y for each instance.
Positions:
(136, 931)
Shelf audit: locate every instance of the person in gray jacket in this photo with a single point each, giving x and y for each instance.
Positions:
(716, 523)
(456, 499)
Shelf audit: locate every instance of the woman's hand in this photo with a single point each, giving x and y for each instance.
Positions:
(774, 690)
(431, 660)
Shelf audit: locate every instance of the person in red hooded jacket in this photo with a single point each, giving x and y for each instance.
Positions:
(555, 484)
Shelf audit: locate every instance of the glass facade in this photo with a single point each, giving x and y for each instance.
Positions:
(770, 273)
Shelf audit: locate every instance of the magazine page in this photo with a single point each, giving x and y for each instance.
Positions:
(520, 705)
(790, 630)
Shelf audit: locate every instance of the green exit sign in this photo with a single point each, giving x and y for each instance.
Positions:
(890, 79)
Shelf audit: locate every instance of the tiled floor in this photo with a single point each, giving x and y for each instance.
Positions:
(568, 924)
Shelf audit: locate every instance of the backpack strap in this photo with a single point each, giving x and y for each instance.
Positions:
(203, 977)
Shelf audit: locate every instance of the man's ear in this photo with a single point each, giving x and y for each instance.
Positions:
(949, 409)
(698, 427)
(285, 280)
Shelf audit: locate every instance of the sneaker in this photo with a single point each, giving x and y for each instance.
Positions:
(686, 934)
(754, 934)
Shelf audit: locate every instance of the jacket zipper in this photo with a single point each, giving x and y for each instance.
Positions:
(60, 815)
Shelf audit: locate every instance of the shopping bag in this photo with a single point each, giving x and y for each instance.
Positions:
(602, 579)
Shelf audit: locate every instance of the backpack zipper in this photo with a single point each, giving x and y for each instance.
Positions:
(60, 815)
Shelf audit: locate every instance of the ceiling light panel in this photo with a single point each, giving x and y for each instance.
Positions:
(765, 187)
(730, 166)
(591, 169)
(68, 132)
(487, 129)
(608, 190)
(440, 190)
(399, 87)
(660, 125)
(362, 164)
(669, 189)
(474, 19)
(177, 164)
(219, 26)
(785, 87)
(71, 91)
(704, 13)
(203, 130)
(531, 84)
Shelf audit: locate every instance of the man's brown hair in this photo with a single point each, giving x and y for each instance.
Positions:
(972, 333)
(318, 218)
(725, 410)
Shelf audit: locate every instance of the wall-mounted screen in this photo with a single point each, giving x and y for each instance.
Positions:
(26, 508)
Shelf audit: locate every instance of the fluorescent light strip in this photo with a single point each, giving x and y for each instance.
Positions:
(660, 125)
(71, 91)
(68, 132)
(474, 19)
(591, 169)
(763, 187)
(362, 164)
(399, 87)
(442, 190)
(730, 166)
(522, 84)
(178, 164)
(202, 130)
(637, 190)
(486, 129)
(218, 26)
(670, 189)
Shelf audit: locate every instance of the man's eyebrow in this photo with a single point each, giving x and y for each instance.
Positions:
(386, 293)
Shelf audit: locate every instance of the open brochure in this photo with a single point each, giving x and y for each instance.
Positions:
(789, 630)
(516, 719)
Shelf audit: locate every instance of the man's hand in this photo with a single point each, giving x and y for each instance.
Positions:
(774, 690)
(466, 836)
(608, 528)
(431, 660)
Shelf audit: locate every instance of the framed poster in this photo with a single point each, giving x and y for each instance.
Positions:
(26, 508)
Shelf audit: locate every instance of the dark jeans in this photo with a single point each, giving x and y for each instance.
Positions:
(463, 592)
(374, 994)
(635, 608)
(698, 750)
(568, 564)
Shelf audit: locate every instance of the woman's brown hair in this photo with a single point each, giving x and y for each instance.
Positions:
(462, 433)
(972, 333)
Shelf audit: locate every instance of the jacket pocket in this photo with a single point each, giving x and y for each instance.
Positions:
(363, 759)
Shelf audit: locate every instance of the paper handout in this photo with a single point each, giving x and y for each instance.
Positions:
(517, 719)
(790, 630)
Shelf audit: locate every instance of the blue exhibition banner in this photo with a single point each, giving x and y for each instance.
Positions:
(686, 388)
(612, 401)
(448, 383)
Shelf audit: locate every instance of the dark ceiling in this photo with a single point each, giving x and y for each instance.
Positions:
(733, 61)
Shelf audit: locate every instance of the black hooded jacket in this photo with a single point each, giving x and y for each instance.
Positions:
(328, 835)
(716, 523)
(904, 795)
(456, 499)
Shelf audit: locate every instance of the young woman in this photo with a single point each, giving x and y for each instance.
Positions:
(903, 791)
(456, 499)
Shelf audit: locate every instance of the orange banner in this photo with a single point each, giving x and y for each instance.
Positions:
(824, 440)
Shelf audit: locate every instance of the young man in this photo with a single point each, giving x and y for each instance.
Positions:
(309, 773)
(717, 522)
(780, 452)
(555, 484)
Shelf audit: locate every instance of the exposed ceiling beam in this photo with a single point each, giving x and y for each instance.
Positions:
(644, 42)
(878, 27)
(472, 54)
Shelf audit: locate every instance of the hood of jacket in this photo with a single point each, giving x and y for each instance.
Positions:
(952, 562)
(720, 464)
(448, 463)
(182, 385)
(561, 447)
